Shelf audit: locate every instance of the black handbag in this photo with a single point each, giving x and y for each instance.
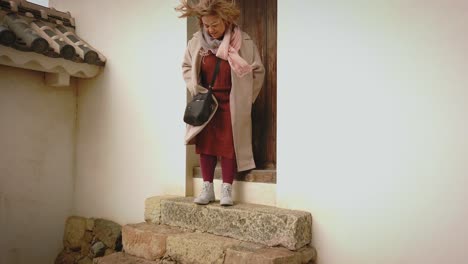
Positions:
(201, 107)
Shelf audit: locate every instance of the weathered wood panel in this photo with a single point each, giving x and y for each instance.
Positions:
(270, 128)
(258, 19)
(263, 176)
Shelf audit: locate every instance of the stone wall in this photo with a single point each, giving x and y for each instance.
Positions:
(87, 238)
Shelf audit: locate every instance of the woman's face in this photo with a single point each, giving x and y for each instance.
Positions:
(214, 25)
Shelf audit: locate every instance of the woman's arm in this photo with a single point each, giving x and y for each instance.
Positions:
(187, 69)
(191, 83)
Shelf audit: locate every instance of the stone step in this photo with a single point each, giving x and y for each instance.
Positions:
(266, 225)
(123, 258)
(146, 240)
(166, 244)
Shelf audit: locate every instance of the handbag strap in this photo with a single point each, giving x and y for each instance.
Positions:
(215, 73)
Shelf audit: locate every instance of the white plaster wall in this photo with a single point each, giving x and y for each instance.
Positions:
(373, 102)
(37, 133)
(130, 129)
(378, 95)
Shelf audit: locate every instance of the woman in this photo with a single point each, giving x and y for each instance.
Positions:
(228, 132)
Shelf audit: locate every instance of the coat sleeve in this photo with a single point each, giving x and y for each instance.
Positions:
(258, 71)
(187, 69)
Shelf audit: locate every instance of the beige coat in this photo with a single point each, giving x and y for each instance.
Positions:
(244, 91)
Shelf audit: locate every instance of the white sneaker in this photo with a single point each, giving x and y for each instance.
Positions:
(207, 194)
(226, 194)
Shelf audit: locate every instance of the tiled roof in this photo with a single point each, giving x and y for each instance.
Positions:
(29, 27)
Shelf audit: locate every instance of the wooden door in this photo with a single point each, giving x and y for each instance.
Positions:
(258, 19)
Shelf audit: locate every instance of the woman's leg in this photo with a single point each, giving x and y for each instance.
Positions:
(229, 169)
(208, 165)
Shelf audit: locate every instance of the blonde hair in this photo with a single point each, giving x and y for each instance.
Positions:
(224, 9)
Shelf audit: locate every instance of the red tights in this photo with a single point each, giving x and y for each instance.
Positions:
(208, 164)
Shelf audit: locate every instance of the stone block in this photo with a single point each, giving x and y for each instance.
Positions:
(308, 254)
(85, 260)
(109, 251)
(198, 248)
(267, 225)
(107, 231)
(147, 241)
(98, 249)
(85, 248)
(241, 253)
(153, 208)
(275, 256)
(267, 255)
(88, 237)
(75, 229)
(122, 258)
(90, 224)
(66, 257)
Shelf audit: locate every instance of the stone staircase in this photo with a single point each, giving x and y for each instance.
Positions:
(178, 231)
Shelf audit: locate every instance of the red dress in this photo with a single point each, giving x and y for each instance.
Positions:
(216, 137)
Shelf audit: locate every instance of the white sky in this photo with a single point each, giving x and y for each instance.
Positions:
(40, 2)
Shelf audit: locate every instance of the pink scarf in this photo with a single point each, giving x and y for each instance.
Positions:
(228, 49)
